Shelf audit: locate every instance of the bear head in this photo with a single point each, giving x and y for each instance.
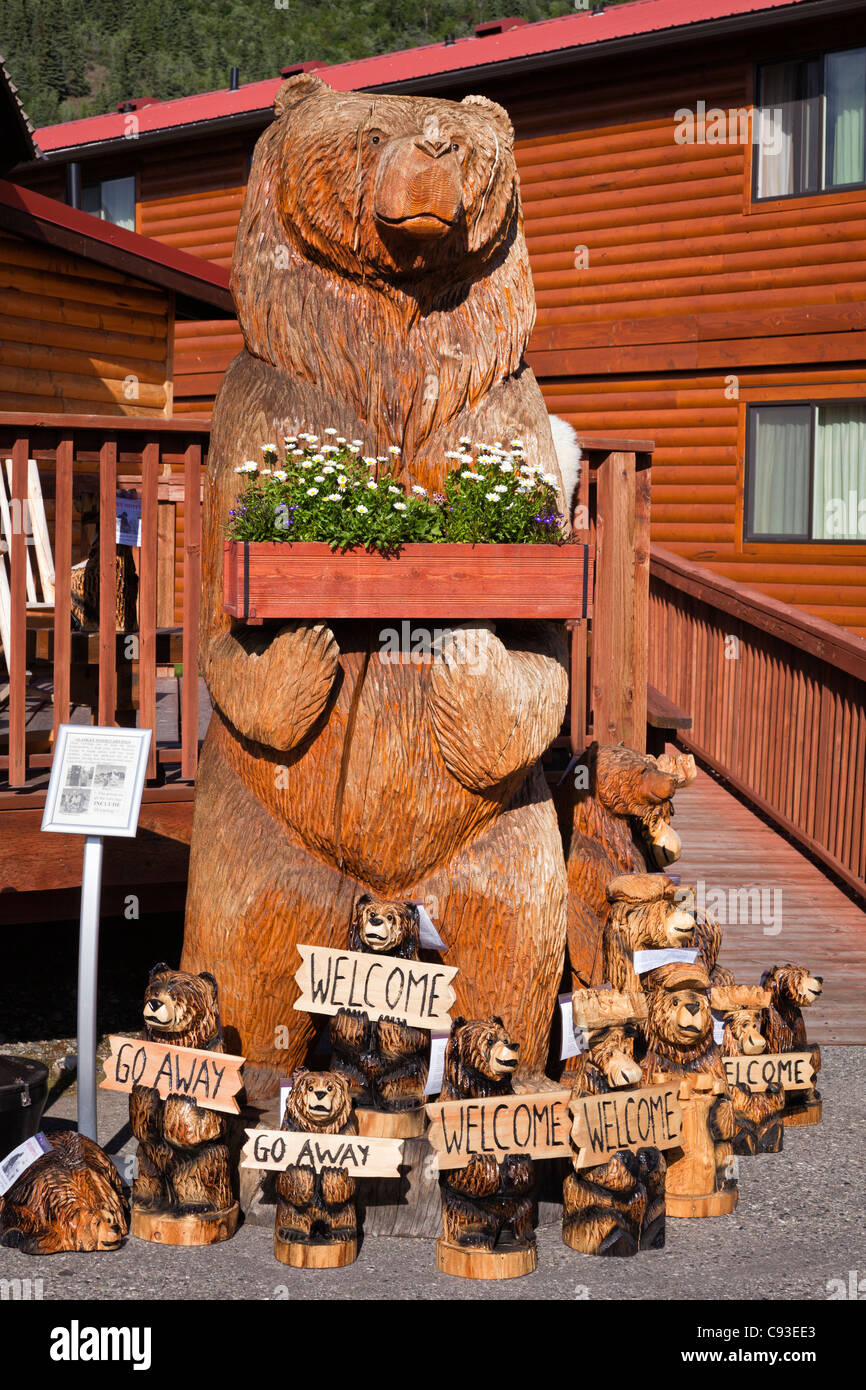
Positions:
(679, 1024)
(792, 986)
(742, 1009)
(181, 1009)
(646, 912)
(386, 928)
(319, 1102)
(605, 1024)
(641, 788)
(480, 1058)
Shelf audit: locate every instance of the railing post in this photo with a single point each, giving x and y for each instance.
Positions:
(16, 659)
(615, 663)
(191, 597)
(107, 581)
(62, 657)
(147, 598)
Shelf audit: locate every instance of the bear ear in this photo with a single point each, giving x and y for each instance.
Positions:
(457, 1023)
(363, 900)
(295, 90)
(160, 969)
(211, 980)
(500, 1021)
(494, 111)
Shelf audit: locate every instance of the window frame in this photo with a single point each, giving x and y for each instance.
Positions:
(749, 537)
(114, 178)
(762, 200)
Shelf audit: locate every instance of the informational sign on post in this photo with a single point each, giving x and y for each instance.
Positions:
(97, 778)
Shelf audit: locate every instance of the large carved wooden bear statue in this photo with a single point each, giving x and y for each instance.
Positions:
(382, 285)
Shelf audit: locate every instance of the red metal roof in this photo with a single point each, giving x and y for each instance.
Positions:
(551, 36)
(31, 214)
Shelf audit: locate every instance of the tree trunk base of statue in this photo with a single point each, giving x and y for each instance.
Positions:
(507, 1261)
(162, 1228)
(334, 1254)
(396, 1124)
(703, 1204)
(804, 1114)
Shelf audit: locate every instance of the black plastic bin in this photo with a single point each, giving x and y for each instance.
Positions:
(23, 1092)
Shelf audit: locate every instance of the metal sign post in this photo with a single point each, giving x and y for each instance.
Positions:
(88, 970)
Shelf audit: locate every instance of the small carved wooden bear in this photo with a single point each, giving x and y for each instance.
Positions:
(617, 1207)
(679, 1042)
(70, 1199)
(486, 1198)
(317, 1207)
(183, 1157)
(793, 989)
(384, 1062)
(757, 1114)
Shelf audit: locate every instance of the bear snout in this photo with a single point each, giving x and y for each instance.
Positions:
(679, 927)
(416, 191)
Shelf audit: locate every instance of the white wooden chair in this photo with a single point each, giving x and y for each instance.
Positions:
(40, 597)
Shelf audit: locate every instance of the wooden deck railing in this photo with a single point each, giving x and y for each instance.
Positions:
(609, 673)
(107, 447)
(778, 702)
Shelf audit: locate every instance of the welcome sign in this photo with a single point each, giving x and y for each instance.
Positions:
(382, 986)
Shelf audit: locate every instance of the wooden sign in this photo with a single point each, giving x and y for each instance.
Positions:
(793, 1070)
(211, 1079)
(384, 987)
(276, 1149)
(648, 1118)
(535, 1125)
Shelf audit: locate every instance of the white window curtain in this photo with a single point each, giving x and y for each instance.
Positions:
(788, 128)
(846, 117)
(781, 436)
(118, 202)
(840, 472)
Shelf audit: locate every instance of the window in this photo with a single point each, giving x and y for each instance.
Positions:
(806, 472)
(810, 125)
(113, 200)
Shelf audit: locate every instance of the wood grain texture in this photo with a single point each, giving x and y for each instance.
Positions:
(297, 815)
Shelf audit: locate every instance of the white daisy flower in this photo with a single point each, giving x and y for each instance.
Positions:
(492, 496)
(280, 474)
(464, 439)
(399, 506)
(517, 444)
(330, 431)
(362, 508)
(383, 458)
(298, 453)
(251, 467)
(312, 492)
(305, 463)
(506, 468)
(269, 448)
(263, 471)
(333, 497)
(501, 487)
(357, 443)
(290, 439)
(550, 479)
(369, 461)
(372, 484)
(398, 490)
(319, 478)
(240, 468)
(354, 448)
(467, 473)
(341, 439)
(393, 448)
(341, 480)
(421, 491)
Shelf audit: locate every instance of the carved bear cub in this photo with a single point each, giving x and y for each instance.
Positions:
(617, 1207)
(793, 989)
(183, 1157)
(317, 1207)
(486, 1198)
(70, 1199)
(757, 1114)
(384, 1062)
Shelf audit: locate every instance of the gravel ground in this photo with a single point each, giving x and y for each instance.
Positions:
(799, 1224)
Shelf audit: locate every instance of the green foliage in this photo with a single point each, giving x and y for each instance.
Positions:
(73, 58)
(328, 492)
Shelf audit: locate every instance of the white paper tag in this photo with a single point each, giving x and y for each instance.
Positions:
(438, 1042)
(718, 1026)
(20, 1159)
(651, 960)
(285, 1087)
(573, 1039)
(428, 935)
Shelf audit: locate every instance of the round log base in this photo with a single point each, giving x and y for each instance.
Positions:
(164, 1229)
(326, 1255)
(505, 1262)
(804, 1114)
(708, 1204)
(398, 1124)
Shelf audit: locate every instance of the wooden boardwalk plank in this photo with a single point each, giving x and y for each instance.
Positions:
(793, 914)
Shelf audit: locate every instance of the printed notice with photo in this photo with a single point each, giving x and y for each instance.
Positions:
(96, 780)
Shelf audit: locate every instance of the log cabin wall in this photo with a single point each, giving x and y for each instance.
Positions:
(667, 299)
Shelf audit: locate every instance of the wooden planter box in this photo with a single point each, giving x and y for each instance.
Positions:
(308, 580)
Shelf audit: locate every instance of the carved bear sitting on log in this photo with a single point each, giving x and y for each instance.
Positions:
(383, 289)
(617, 1207)
(486, 1198)
(793, 989)
(757, 1114)
(183, 1156)
(317, 1208)
(617, 821)
(384, 1062)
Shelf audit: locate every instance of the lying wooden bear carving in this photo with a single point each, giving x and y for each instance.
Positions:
(70, 1199)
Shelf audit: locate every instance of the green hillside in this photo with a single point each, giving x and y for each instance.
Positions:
(74, 58)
